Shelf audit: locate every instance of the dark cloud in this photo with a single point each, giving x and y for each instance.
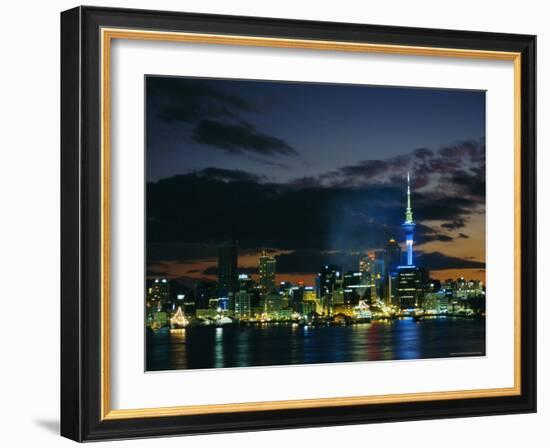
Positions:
(423, 153)
(210, 116)
(426, 234)
(350, 208)
(453, 171)
(456, 224)
(213, 270)
(156, 273)
(224, 175)
(438, 260)
(214, 204)
(239, 138)
(469, 183)
(168, 249)
(191, 100)
(310, 261)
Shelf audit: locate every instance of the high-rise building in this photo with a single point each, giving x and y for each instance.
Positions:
(409, 225)
(242, 304)
(227, 268)
(392, 256)
(330, 281)
(158, 295)
(329, 276)
(267, 268)
(272, 302)
(245, 282)
(408, 288)
(366, 263)
(356, 286)
(390, 289)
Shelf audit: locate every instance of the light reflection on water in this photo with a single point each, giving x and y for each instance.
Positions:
(218, 348)
(233, 346)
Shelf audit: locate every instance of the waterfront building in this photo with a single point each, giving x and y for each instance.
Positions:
(309, 294)
(408, 287)
(267, 268)
(207, 314)
(272, 302)
(305, 307)
(469, 289)
(242, 305)
(436, 301)
(160, 317)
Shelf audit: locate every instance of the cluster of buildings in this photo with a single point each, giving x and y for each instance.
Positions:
(385, 284)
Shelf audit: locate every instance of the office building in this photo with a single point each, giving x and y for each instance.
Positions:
(267, 268)
(227, 268)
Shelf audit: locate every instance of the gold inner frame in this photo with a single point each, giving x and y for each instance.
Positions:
(107, 35)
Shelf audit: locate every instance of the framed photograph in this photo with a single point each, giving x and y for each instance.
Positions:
(275, 224)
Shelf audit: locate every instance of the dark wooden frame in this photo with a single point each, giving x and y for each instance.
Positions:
(81, 224)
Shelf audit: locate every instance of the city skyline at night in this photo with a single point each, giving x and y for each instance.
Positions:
(303, 223)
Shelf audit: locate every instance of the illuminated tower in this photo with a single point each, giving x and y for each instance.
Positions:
(409, 225)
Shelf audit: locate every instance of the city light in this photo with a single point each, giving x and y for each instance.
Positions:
(386, 285)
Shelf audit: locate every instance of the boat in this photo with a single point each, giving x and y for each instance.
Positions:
(224, 321)
(362, 313)
(178, 321)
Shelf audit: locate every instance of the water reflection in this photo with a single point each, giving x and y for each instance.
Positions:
(218, 350)
(178, 351)
(232, 346)
(409, 339)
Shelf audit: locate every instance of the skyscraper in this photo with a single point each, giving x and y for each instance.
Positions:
(409, 287)
(227, 268)
(242, 304)
(330, 275)
(366, 263)
(409, 225)
(158, 296)
(267, 268)
(392, 256)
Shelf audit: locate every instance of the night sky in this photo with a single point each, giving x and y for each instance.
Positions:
(314, 173)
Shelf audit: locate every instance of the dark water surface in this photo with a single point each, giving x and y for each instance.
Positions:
(204, 347)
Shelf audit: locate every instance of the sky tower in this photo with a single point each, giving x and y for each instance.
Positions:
(409, 224)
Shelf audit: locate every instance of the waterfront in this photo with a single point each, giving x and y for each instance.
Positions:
(204, 347)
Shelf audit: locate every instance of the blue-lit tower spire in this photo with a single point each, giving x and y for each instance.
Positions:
(409, 224)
